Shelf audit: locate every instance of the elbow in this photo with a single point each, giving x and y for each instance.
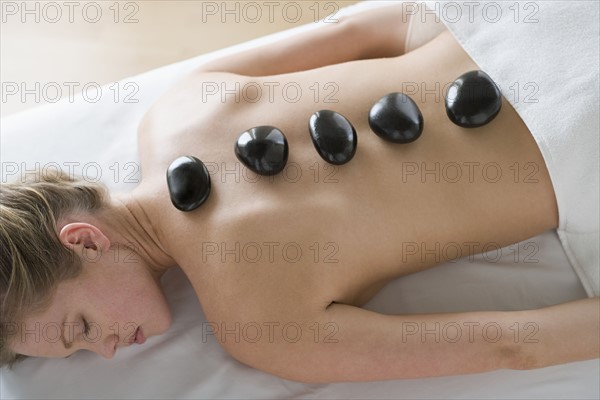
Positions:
(519, 357)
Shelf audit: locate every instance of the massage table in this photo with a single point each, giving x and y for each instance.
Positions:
(98, 140)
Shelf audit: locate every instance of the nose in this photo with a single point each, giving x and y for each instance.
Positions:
(107, 347)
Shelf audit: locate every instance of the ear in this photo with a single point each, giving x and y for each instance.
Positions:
(81, 237)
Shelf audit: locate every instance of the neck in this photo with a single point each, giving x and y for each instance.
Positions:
(129, 224)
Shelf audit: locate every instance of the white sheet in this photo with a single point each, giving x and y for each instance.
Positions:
(180, 364)
(556, 44)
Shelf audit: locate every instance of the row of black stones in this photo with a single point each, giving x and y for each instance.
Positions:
(472, 100)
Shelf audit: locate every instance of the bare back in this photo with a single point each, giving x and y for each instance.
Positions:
(317, 234)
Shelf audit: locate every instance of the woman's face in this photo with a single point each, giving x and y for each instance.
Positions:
(99, 310)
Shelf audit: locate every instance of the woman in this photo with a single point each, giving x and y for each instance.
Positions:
(306, 247)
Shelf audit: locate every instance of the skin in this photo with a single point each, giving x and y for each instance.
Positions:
(117, 291)
(362, 216)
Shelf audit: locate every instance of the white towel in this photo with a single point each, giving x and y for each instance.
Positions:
(544, 56)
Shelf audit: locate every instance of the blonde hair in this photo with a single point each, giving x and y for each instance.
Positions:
(33, 261)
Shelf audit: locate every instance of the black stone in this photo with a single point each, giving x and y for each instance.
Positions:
(333, 135)
(396, 118)
(473, 100)
(189, 183)
(263, 149)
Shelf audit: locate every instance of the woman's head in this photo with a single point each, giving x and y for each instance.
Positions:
(62, 273)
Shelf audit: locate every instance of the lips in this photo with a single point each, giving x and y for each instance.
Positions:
(139, 337)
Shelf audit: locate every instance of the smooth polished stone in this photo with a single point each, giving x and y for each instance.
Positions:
(333, 135)
(396, 118)
(473, 100)
(263, 149)
(189, 183)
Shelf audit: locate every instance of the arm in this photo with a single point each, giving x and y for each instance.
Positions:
(372, 346)
(373, 33)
